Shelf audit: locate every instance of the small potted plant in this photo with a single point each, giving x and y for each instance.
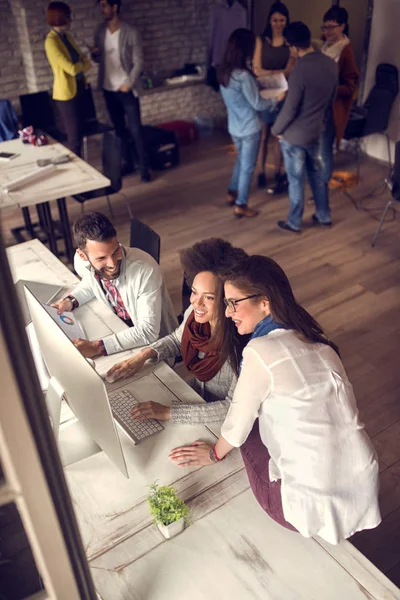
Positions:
(169, 512)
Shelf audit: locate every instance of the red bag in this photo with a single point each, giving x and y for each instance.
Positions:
(185, 131)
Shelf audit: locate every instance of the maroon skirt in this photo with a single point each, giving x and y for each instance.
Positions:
(268, 493)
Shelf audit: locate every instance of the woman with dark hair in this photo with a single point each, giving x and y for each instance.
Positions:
(200, 340)
(309, 461)
(241, 95)
(272, 55)
(337, 45)
(68, 64)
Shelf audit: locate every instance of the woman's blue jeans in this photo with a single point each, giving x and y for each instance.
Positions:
(302, 162)
(247, 148)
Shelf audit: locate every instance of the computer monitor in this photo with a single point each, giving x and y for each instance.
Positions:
(44, 292)
(83, 388)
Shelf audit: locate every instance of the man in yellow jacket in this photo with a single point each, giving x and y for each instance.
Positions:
(68, 64)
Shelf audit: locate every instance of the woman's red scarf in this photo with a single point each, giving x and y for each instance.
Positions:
(195, 339)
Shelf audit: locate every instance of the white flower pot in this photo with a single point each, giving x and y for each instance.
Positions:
(172, 529)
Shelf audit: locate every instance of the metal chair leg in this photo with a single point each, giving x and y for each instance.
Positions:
(389, 154)
(110, 210)
(387, 181)
(358, 169)
(358, 160)
(129, 210)
(388, 205)
(85, 148)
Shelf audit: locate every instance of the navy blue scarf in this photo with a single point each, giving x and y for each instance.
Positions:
(264, 327)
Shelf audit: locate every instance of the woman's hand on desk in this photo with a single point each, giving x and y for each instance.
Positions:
(127, 368)
(196, 454)
(151, 410)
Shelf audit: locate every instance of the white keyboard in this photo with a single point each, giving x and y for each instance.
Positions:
(122, 402)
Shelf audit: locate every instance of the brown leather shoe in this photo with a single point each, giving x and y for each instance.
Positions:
(242, 210)
(231, 198)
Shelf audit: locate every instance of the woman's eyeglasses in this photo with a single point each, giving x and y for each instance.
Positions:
(231, 304)
(328, 27)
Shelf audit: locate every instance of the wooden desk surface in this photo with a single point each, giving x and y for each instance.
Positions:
(232, 549)
(74, 177)
(6, 201)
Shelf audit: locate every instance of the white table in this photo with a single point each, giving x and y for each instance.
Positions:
(74, 177)
(231, 551)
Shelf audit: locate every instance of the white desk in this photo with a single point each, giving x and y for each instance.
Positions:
(231, 551)
(75, 177)
(6, 201)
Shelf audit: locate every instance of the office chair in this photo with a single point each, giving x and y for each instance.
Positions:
(373, 116)
(112, 168)
(143, 237)
(37, 110)
(91, 126)
(394, 186)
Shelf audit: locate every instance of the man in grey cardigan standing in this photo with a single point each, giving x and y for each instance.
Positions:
(312, 89)
(118, 50)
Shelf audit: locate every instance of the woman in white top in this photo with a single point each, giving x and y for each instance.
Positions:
(313, 468)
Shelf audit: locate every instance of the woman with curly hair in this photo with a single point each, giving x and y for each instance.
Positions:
(207, 342)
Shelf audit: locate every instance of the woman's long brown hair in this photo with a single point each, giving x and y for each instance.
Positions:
(263, 276)
(238, 55)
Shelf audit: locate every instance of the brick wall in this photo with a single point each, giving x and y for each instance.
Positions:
(12, 74)
(174, 32)
(182, 103)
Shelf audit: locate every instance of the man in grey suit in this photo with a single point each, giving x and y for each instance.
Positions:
(312, 89)
(118, 50)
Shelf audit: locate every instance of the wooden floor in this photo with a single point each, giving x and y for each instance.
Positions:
(351, 288)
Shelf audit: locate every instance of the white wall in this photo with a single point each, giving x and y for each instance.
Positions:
(384, 47)
(357, 10)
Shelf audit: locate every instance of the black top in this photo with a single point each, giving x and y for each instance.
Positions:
(274, 58)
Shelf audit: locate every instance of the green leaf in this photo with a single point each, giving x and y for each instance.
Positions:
(165, 506)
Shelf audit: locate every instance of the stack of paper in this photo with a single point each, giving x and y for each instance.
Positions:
(273, 85)
(29, 178)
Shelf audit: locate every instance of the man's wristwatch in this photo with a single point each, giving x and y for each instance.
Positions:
(73, 301)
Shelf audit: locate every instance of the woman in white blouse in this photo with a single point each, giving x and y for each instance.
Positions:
(310, 463)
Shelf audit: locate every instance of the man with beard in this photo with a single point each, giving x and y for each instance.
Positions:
(127, 280)
(118, 50)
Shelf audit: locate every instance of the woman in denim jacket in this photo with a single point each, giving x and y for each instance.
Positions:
(241, 95)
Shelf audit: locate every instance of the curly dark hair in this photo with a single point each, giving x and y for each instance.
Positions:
(218, 257)
(262, 276)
